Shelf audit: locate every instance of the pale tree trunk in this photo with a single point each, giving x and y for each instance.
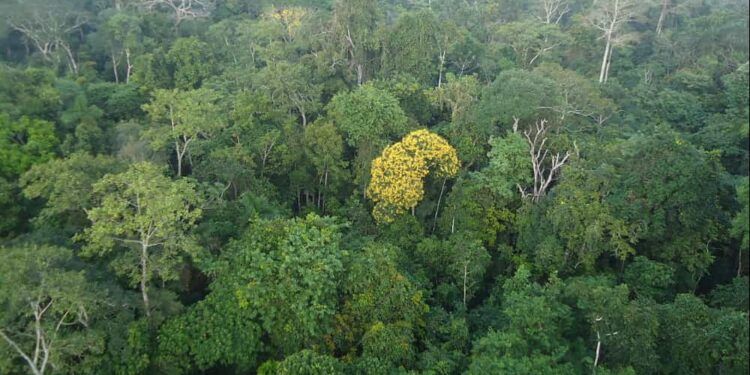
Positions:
(179, 158)
(598, 350)
(609, 63)
(144, 277)
(39, 360)
(114, 68)
(605, 58)
(662, 16)
(325, 188)
(71, 58)
(129, 65)
(440, 69)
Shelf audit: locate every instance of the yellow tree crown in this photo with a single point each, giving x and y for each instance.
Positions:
(397, 182)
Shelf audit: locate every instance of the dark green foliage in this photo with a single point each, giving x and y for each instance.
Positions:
(182, 186)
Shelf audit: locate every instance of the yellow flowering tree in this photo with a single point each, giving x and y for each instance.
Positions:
(397, 176)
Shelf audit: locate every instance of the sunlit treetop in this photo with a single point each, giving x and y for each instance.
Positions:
(398, 174)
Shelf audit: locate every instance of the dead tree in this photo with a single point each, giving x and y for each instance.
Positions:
(552, 11)
(546, 166)
(38, 360)
(608, 17)
(48, 31)
(181, 9)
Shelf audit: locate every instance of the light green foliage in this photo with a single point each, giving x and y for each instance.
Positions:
(738, 99)
(626, 330)
(412, 46)
(468, 263)
(307, 362)
(215, 331)
(581, 103)
(23, 143)
(670, 189)
(376, 292)
(740, 224)
(531, 42)
(9, 206)
(509, 166)
(472, 207)
(389, 343)
(355, 24)
(732, 295)
(192, 62)
(324, 148)
(285, 271)
(459, 95)
(532, 342)
(583, 220)
(142, 221)
(456, 95)
(369, 117)
(729, 342)
(209, 169)
(696, 338)
(49, 311)
(461, 262)
(151, 70)
(515, 93)
(256, 129)
(29, 92)
(292, 87)
(66, 186)
(649, 279)
(181, 118)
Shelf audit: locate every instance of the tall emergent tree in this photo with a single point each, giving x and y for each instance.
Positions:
(610, 17)
(144, 219)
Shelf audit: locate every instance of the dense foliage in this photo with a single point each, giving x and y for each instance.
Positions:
(374, 187)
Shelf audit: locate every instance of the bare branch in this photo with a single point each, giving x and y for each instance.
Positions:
(545, 169)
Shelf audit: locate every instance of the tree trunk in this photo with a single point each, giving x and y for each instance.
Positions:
(325, 188)
(129, 65)
(598, 350)
(739, 263)
(440, 70)
(179, 158)
(71, 59)
(466, 274)
(114, 68)
(662, 16)
(609, 63)
(604, 60)
(437, 209)
(304, 117)
(144, 276)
